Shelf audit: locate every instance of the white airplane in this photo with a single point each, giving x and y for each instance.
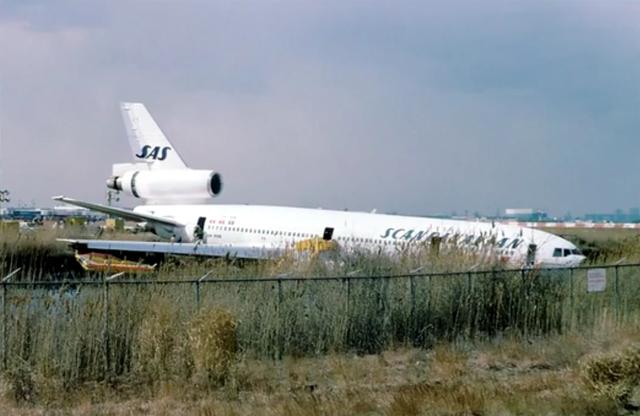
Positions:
(175, 208)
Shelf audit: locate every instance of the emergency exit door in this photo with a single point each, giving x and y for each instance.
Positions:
(531, 254)
(199, 231)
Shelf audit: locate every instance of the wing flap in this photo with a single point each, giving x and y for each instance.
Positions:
(191, 249)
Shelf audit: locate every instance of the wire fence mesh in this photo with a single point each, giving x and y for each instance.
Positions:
(92, 330)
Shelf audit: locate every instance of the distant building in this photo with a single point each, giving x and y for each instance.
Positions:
(24, 214)
(66, 211)
(633, 216)
(63, 211)
(56, 213)
(525, 214)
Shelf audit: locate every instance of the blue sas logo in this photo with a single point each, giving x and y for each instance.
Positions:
(155, 153)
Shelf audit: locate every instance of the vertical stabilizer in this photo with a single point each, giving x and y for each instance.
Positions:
(148, 143)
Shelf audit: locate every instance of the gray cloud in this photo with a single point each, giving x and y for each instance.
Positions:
(412, 107)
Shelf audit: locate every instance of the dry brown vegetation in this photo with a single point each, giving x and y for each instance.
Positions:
(507, 376)
(496, 343)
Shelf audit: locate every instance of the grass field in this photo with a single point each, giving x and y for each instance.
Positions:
(505, 376)
(494, 343)
(596, 235)
(604, 245)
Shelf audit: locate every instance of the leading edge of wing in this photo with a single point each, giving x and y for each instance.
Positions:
(119, 212)
(191, 249)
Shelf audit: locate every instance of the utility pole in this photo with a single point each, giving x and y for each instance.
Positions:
(112, 196)
(4, 198)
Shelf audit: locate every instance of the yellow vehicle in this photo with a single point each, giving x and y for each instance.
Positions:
(99, 262)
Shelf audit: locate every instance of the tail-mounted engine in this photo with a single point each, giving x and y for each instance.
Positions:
(171, 185)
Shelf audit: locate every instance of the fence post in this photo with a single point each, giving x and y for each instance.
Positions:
(105, 334)
(279, 317)
(105, 328)
(4, 325)
(413, 314)
(525, 303)
(200, 280)
(197, 294)
(470, 305)
(471, 302)
(385, 304)
(429, 317)
(5, 343)
(347, 282)
(572, 298)
(617, 296)
(413, 330)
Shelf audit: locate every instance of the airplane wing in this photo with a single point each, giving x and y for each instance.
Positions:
(122, 213)
(149, 247)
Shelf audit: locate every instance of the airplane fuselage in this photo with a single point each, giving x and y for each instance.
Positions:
(278, 229)
(175, 197)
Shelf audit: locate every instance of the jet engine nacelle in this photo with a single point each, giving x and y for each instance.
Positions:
(184, 185)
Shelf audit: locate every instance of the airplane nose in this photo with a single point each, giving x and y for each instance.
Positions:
(578, 259)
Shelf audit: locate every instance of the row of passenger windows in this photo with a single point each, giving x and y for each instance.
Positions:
(304, 235)
(307, 235)
(301, 235)
(265, 232)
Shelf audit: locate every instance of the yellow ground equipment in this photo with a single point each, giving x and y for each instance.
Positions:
(316, 245)
(99, 262)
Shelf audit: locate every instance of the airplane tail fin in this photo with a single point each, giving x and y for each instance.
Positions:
(148, 142)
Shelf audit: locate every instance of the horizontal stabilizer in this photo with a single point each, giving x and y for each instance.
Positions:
(122, 213)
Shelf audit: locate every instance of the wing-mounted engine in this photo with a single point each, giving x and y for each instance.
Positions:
(168, 185)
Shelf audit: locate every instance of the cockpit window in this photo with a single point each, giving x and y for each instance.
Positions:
(567, 252)
(557, 252)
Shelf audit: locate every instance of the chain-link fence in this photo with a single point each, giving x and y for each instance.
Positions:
(90, 330)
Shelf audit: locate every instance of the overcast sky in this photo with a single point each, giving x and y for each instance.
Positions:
(412, 107)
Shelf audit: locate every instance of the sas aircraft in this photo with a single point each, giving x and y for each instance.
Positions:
(176, 207)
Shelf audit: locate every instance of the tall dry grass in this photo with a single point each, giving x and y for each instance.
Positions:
(143, 337)
(59, 340)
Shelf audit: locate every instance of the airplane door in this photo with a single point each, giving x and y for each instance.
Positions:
(531, 254)
(199, 231)
(328, 234)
